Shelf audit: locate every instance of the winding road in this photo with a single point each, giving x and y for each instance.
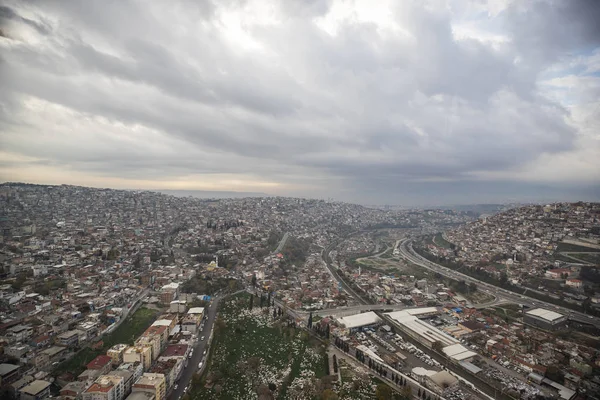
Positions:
(407, 252)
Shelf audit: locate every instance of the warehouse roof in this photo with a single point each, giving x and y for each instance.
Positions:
(6, 369)
(458, 352)
(421, 311)
(545, 314)
(358, 320)
(470, 367)
(423, 329)
(35, 387)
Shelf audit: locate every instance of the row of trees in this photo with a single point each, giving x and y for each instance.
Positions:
(384, 392)
(225, 225)
(265, 301)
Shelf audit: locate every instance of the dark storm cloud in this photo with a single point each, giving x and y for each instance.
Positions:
(8, 14)
(363, 108)
(547, 30)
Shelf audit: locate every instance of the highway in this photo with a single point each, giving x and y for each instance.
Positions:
(282, 243)
(407, 252)
(192, 367)
(334, 272)
(454, 368)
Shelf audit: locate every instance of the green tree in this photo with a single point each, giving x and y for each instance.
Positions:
(329, 394)
(437, 346)
(220, 325)
(383, 392)
(406, 393)
(473, 287)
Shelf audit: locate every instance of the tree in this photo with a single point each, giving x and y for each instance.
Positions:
(554, 373)
(220, 325)
(473, 287)
(251, 301)
(437, 346)
(335, 366)
(310, 321)
(406, 393)
(383, 392)
(232, 285)
(329, 394)
(253, 280)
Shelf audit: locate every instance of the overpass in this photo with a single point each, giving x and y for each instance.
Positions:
(345, 311)
(407, 252)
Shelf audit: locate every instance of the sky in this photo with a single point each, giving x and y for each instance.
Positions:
(377, 102)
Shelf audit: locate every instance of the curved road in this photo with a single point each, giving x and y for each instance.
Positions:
(409, 254)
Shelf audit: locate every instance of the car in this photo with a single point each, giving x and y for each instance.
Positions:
(176, 386)
(202, 339)
(200, 365)
(204, 352)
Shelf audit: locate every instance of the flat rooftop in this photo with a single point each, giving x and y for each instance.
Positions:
(35, 387)
(458, 352)
(542, 313)
(358, 320)
(422, 328)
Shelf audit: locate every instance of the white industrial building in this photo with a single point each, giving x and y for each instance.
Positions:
(544, 319)
(459, 352)
(428, 334)
(358, 321)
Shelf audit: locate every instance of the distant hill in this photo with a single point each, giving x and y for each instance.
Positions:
(481, 209)
(210, 194)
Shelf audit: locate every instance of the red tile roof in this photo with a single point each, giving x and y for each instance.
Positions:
(99, 362)
(99, 388)
(40, 339)
(175, 350)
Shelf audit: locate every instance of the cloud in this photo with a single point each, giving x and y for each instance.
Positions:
(320, 98)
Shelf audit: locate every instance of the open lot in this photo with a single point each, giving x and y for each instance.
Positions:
(439, 240)
(254, 352)
(126, 333)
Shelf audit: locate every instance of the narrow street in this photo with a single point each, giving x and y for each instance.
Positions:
(192, 367)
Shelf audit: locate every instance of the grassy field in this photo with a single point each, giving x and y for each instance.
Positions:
(126, 333)
(254, 351)
(568, 248)
(589, 257)
(439, 240)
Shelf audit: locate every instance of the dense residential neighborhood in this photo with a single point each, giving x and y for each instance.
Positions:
(113, 295)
